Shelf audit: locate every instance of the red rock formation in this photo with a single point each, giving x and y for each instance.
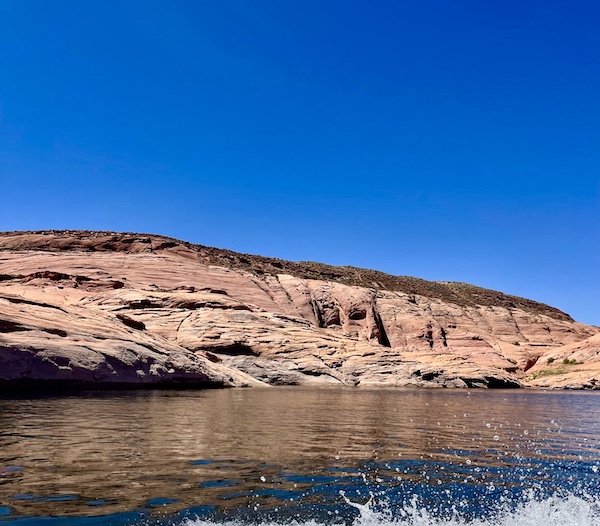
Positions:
(91, 308)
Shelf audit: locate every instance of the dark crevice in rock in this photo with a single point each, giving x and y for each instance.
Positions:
(213, 291)
(193, 305)
(12, 299)
(427, 376)
(491, 382)
(48, 274)
(152, 348)
(312, 372)
(429, 335)
(358, 314)
(501, 383)
(11, 326)
(383, 337)
(331, 316)
(443, 336)
(212, 357)
(130, 322)
(144, 304)
(235, 349)
(318, 314)
(9, 277)
(530, 363)
(309, 372)
(166, 244)
(57, 332)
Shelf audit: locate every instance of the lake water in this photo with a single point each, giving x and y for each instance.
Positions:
(367, 457)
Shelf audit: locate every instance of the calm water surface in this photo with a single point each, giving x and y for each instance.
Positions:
(294, 455)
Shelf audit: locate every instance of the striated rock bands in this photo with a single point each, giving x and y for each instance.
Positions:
(102, 309)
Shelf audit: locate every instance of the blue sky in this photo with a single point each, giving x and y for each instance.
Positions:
(451, 141)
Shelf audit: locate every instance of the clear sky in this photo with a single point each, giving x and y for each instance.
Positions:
(453, 141)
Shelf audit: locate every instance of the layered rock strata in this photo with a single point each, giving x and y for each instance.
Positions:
(102, 309)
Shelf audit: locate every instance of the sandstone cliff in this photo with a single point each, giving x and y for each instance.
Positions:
(98, 308)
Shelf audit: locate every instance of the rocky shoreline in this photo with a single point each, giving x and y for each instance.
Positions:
(102, 309)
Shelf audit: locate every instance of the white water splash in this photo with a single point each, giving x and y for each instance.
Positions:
(553, 511)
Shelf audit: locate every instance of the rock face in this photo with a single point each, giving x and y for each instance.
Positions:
(97, 308)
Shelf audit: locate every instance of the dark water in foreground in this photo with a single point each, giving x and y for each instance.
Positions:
(302, 456)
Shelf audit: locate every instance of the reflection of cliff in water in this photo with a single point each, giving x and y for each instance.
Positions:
(219, 447)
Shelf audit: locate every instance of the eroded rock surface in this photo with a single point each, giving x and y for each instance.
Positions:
(96, 308)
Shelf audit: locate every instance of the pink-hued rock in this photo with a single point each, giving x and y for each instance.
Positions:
(572, 366)
(95, 308)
